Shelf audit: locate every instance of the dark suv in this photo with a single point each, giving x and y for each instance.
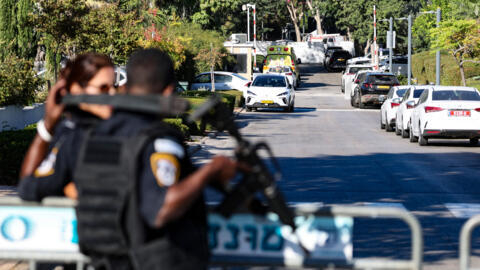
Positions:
(336, 59)
(372, 85)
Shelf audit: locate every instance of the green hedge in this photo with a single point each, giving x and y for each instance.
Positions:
(423, 68)
(13, 146)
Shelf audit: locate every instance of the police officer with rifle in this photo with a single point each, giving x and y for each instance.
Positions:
(140, 199)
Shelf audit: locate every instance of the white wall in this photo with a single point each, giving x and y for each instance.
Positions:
(16, 117)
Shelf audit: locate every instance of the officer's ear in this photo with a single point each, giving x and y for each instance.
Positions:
(168, 90)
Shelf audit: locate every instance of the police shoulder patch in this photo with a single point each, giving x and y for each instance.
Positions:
(47, 166)
(169, 146)
(165, 168)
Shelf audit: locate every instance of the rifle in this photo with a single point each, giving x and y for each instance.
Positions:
(258, 179)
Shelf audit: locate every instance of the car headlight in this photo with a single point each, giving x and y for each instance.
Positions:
(251, 93)
(282, 94)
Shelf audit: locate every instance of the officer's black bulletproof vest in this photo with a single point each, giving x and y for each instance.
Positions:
(110, 227)
(109, 223)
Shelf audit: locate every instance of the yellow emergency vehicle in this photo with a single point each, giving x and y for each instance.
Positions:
(281, 56)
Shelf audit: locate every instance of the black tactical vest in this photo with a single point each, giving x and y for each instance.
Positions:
(110, 227)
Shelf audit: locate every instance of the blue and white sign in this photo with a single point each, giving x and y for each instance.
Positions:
(26, 228)
(254, 237)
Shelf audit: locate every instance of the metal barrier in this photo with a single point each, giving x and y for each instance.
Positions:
(466, 242)
(31, 254)
(72, 256)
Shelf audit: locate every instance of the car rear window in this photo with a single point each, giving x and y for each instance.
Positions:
(382, 79)
(417, 93)
(456, 95)
(357, 69)
(341, 54)
(269, 81)
(401, 92)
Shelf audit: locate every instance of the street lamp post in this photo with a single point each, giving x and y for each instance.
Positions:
(247, 8)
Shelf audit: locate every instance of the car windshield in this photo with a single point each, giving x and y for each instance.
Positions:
(382, 79)
(279, 69)
(456, 95)
(240, 77)
(269, 81)
(341, 54)
(401, 92)
(417, 93)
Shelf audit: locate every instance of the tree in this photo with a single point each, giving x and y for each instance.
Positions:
(110, 31)
(461, 38)
(60, 22)
(314, 6)
(25, 33)
(213, 57)
(7, 25)
(296, 11)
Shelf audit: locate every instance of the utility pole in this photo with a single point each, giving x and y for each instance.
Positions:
(375, 55)
(390, 50)
(409, 69)
(437, 73)
(254, 37)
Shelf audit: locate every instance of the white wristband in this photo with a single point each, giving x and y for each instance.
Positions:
(43, 132)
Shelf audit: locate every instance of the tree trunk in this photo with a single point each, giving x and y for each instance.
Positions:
(212, 77)
(369, 44)
(297, 32)
(462, 74)
(318, 19)
(459, 61)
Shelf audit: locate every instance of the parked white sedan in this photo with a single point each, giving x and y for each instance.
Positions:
(388, 111)
(349, 74)
(446, 112)
(223, 81)
(405, 108)
(270, 91)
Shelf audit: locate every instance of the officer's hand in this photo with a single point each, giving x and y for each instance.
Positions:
(224, 169)
(53, 108)
(70, 191)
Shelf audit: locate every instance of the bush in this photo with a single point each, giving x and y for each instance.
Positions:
(18, 83)
(13, 146)
(232, 97)
(423, 68)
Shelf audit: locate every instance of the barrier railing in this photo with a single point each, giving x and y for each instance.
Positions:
(243, 240)
(466, 242)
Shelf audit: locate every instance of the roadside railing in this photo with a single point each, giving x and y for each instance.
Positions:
(323, 237)
(466, 242)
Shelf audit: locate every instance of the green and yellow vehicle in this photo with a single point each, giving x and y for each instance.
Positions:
(281, 56)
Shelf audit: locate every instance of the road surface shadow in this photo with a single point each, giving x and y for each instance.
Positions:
(422, 183)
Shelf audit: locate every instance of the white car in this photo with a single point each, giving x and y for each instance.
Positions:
(389, 107)
(285, 71)
(446, 112)
(349, 74)
(405, 109)
(223, 81)
(270, 91)
(382, 54)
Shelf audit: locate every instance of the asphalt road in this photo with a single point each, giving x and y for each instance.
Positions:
(336, 154)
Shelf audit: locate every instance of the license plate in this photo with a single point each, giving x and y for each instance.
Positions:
(383, 87)
(267, 101)
(459, 113)
(264, 238)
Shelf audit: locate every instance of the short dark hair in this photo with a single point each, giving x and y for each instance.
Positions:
(83, 68)
(151, 70)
